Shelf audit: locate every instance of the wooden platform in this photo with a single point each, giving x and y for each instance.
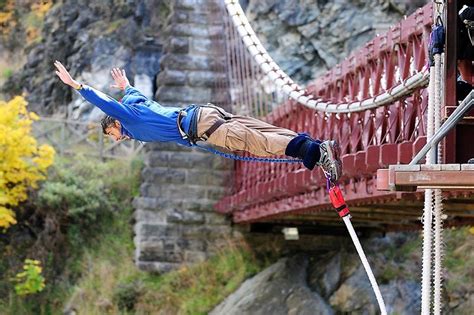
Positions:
(413, 177)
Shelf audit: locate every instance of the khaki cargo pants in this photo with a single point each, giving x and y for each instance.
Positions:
(241, 133)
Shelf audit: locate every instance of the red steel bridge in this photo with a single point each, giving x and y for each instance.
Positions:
(374, 104)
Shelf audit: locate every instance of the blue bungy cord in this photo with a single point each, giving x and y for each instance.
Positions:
(247, 158)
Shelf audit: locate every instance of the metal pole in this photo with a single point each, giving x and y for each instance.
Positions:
(450, 123)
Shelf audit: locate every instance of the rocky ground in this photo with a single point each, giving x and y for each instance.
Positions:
(335, 282)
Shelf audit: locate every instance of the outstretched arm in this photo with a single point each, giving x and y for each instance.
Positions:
(122, 83)
(64, 75)
(106, 103)
(120, 79)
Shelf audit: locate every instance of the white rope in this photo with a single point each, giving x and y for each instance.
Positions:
(427, 213)
(365, 263)
(438, 206)
(293, 91)
(426, 258)
(437, 197)
(438, 250)
(433, 201)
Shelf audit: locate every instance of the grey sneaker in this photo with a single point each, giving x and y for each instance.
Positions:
(329, 161)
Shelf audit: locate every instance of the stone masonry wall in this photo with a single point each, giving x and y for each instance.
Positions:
(175, 219)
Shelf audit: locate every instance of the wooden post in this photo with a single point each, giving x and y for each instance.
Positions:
(62, 140)
(101, 145)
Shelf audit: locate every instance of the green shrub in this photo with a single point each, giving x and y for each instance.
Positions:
(83, 203)
(30, 280)
(126, 295)
(7, 73)
(3, 4)
(389, 273)
(88, 189)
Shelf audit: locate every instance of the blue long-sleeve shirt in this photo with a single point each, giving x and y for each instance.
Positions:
(141, 119)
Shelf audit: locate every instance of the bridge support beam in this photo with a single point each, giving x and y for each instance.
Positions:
(411, 177)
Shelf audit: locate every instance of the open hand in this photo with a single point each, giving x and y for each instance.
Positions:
(120, 78)
(64, 75)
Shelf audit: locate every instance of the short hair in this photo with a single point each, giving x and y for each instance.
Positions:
(106, 122)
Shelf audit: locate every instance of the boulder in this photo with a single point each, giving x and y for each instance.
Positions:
(280, 289)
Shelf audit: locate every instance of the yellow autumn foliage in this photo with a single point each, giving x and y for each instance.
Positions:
(7, 21)
(29, 15)
(42, 7)
(22, 161)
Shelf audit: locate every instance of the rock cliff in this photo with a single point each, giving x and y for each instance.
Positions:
(329, 281)
(89, 37)
(308, 37)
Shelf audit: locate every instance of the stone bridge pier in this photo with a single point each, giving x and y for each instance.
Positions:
(175, 221)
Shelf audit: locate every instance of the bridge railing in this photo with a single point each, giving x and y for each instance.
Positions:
(390, 132)
(71, 137)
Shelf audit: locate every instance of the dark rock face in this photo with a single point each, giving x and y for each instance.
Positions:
(308, 37)
(280, 289)
(90, 38)
(331, 282)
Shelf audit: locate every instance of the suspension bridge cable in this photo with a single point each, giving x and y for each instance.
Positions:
(270, 68)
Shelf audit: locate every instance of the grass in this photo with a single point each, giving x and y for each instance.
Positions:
(103, 267)
(111, 284)
(197, 289)
(459, 259)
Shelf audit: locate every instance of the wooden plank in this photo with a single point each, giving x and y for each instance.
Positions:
(450, 167)
(467, 167)
(429, 176)
(435, 178)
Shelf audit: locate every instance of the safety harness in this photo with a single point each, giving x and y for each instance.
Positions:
(192, 134)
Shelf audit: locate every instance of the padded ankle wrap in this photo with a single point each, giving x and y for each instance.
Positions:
(305, 148)
(294, 147)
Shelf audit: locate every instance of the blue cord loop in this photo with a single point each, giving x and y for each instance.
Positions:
(329, 183)
(248, 158)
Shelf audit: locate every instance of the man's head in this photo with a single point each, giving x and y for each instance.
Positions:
(111, 127)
